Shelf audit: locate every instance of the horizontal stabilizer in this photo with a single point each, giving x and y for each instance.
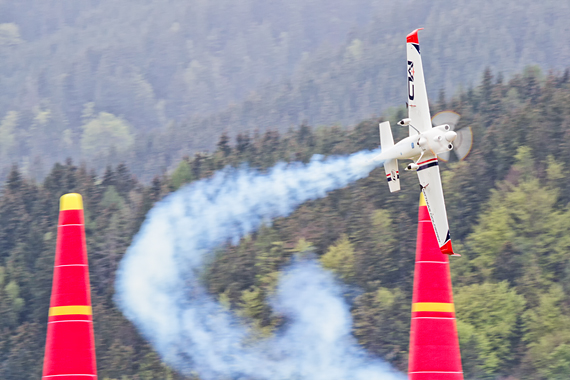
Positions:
(392, 175)
(391, 166)
(386, 139)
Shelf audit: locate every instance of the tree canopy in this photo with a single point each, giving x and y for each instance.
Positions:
(508, 206)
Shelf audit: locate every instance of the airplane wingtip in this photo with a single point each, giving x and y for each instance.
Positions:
(447, 249)
(413, 37)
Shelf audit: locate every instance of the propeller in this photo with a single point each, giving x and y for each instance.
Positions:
(464, 141)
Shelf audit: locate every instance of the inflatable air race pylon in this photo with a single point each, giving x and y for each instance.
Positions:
(434, 345)
(70, 344)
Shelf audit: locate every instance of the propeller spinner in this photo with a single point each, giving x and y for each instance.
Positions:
(464, 140)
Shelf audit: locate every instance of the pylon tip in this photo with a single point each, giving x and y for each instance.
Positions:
(71, 201)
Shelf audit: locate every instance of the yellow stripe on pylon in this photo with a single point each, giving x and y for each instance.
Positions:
(71, 201)
(422, 200)
(433, 306)
(70, 310)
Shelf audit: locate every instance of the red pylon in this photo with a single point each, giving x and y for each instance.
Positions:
(70, 344)
(434, 345)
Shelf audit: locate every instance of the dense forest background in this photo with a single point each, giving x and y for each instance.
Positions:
(507, 205)
(148, 82)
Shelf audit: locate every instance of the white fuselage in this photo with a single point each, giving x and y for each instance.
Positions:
(435, 140)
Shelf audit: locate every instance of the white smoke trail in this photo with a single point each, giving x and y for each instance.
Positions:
(158, 287)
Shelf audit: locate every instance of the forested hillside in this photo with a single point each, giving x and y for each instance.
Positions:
(507, 205)
(165, 79)
(147, 63)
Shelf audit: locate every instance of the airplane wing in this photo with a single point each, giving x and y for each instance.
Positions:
(418, 106)
(430, 181)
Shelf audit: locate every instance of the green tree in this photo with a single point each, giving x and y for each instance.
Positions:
(256, 313)
(26, 346)
(488, 316)
(340, 258)
(522, 228)
(547, 334)
(376, 259)
(105, 133)
(111, 198)
(182, 174)
(382, 324)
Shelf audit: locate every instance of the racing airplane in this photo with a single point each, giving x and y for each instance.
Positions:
(422, 146)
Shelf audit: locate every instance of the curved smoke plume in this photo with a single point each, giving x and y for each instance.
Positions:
(159, 290)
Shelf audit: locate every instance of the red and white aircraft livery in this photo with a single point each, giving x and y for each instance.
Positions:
(422, 146)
